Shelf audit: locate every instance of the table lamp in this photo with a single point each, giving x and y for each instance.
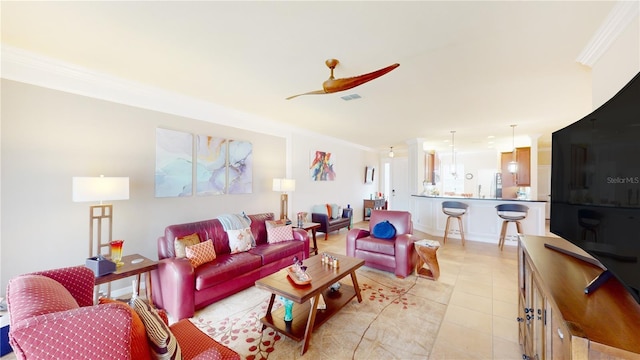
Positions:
(100, 189)
(284, 185)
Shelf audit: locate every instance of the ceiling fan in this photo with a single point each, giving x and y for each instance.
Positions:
(333, 85)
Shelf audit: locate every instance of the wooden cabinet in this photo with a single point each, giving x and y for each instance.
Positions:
(375, 204)
(523, 176)
(557, 320)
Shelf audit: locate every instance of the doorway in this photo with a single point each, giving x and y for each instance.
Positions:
(396, 183)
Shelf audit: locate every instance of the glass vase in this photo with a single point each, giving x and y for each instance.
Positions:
(116, 252)
(288, 308)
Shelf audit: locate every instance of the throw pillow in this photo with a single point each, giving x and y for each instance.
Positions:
(201, 253)
(336, 211)
(329, 212)
(44, 295)
(182, 242)
(139, 345)
(384, 230)
(275, 223)
(279, 234)
(319, 209)
(163, 344)
(240, 240)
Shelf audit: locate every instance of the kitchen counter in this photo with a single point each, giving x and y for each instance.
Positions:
(481, 222)
(459, 198)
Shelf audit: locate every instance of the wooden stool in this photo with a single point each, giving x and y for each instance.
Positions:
(454, 209)
(510, 213)
(426, 250)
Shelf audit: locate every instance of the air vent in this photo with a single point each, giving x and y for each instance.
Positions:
(350, 97)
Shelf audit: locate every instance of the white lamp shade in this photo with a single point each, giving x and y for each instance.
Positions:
(284, 185)
(100, 188)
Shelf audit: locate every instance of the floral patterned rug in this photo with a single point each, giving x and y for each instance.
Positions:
(397, 319)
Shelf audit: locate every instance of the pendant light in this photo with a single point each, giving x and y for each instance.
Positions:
(453, 155)
(391, 154)
(512, 167)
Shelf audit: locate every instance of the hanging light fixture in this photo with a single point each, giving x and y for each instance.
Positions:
(453, 155)
(512, 167)
(391, 154)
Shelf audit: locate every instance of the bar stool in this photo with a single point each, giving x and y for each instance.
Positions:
(589, 220)
(454, 209)
(510, 213)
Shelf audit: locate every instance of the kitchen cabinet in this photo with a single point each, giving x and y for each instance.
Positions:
(523, 176)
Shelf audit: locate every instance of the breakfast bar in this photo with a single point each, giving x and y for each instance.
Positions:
(481, 221)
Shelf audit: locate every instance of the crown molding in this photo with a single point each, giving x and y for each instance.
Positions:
(616, 22)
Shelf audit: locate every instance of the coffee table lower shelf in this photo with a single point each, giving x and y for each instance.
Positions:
(296, 328)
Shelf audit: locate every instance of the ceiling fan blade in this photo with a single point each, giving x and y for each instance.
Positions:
(333, 85)
(336, 85)
(316, 92)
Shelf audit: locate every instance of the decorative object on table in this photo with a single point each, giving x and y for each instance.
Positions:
(284, 186)
(335, 287)
(322, 166)
(116, 252)
(288, 308)
(302, 218)
(329, 260)
(298, 272)
(100, 265)
(100, 189)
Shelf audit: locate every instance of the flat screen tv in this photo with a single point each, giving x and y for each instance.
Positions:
(595, 185)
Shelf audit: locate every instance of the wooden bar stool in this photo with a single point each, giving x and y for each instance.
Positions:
(454, 209)
(510, 213)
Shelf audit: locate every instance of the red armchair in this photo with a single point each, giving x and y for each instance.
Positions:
(52, 316)
(395, 255)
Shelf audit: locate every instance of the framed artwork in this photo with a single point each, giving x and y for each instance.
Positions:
(322, 168)
(174, 163)
(368, 174)
(211, 165)
(240, 167)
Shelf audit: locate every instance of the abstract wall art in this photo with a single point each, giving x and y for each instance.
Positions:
(322, 168)
(174, 163)
(240, 167)
(211, 169)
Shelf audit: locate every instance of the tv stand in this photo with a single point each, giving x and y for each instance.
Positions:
(598, 280)
(556, 320)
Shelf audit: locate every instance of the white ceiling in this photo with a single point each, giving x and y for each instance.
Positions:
(474, 67)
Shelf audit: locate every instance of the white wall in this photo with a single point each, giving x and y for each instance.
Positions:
(348, 188)
(49, 136)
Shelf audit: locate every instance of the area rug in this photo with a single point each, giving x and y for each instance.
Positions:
(397, 319)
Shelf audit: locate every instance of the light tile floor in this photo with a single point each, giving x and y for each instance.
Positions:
(480, 322)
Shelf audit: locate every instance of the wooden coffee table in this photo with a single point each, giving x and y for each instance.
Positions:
(306, 317)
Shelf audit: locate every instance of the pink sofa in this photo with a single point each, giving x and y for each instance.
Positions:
(395, 255)
(180, 289)
(53, 317)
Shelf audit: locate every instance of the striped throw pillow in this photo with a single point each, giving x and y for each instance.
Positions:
(164, 345)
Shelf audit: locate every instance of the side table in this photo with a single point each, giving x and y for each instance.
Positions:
(426, 250)
(313, 227)
(130, 269)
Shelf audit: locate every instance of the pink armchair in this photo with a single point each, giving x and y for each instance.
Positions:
(52, 316)
(395, 255)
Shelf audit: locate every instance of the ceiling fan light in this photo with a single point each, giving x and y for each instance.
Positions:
(391, 154)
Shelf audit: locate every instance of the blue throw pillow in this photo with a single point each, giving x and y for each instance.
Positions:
(384, 230)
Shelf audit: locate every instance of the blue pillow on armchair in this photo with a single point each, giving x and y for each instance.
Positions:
(384, 230)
